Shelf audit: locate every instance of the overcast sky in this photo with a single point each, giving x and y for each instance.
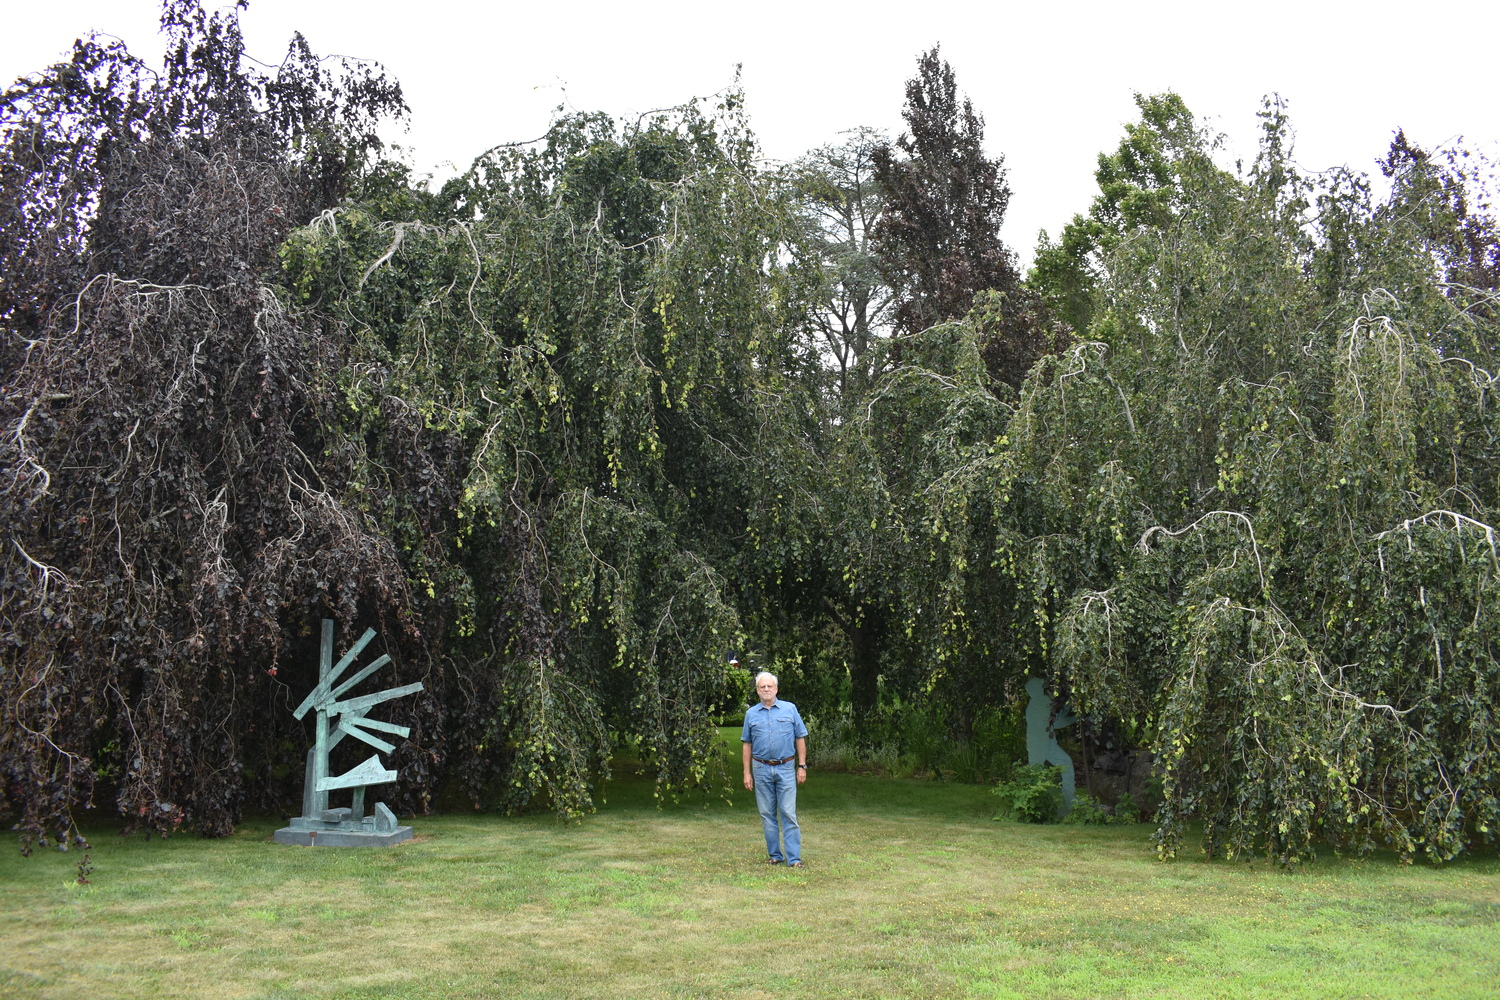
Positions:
(1054, 81)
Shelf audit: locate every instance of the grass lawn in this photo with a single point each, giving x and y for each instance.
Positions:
(910, 890)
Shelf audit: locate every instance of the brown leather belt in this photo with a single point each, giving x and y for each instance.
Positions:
(774, 763)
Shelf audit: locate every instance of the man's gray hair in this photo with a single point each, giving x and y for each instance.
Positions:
(766, 673)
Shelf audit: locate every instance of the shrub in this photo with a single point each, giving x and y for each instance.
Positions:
(1088, 811)
(1126, 810)
(1033, 793)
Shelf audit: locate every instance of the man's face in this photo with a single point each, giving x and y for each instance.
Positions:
(766, 688)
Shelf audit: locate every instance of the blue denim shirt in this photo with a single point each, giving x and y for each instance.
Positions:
(772, 732)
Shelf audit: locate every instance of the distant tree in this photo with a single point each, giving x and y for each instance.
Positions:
(938, 240)
(1458, 204)
(839, 203)
(1143, 185)
(824, 581)
(1443, 199)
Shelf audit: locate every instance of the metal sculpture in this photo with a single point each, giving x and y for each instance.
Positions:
(346, 826)
(1041, 746)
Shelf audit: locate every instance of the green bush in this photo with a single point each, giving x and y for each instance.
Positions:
(1033, 793)
(1126, 810)
(1087, 811)
(905, 740)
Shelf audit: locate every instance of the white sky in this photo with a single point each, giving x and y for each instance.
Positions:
(1054, 81)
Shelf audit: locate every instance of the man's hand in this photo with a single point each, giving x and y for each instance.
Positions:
(749, 782)
(801, 775)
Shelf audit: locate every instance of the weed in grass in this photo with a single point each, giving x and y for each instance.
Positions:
(189, 939)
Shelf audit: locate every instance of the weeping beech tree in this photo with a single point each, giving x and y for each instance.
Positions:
(591, 321)
(176, 488)
(1249, 518)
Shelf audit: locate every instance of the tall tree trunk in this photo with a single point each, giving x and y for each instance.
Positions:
(865, 641)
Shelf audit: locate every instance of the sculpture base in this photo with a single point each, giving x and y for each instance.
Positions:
(341, 828)
(341, 838)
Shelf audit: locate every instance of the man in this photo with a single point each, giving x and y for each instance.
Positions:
(774, 736)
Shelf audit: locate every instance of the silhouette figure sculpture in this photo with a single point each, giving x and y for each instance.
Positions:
(1041, 745)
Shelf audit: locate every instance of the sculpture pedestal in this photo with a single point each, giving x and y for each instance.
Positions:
(337, 828)
(341, 838)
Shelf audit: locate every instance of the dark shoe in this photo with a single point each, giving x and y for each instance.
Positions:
(795, 864)
(775, 861)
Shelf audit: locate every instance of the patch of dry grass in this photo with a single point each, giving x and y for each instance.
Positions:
(910, 890)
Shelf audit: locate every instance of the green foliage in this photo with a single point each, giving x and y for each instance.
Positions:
(1251, 520)
(1033, 793)
(590, 336)
(1126, 810)
(1143, 186)
(610, 405)
(907, 739)
(1087, 811)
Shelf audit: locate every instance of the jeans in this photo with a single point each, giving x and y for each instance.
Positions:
(776, 798)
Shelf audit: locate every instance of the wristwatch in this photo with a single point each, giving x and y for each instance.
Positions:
(802, 767)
